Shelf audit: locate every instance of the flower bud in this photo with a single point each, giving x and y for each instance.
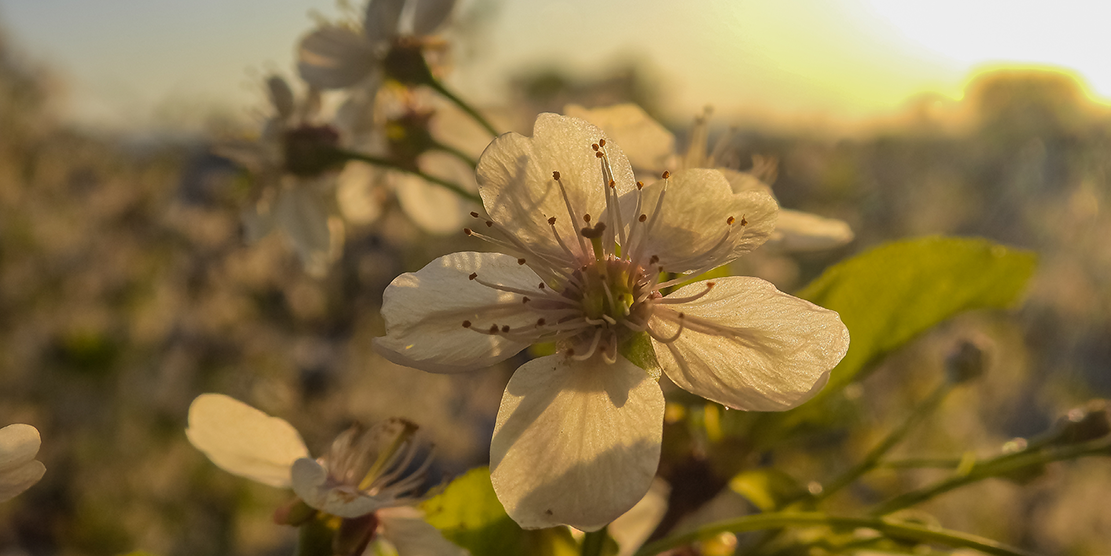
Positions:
(1084, 423)
(966, 362)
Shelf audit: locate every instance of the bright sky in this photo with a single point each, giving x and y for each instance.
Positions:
(128, 63)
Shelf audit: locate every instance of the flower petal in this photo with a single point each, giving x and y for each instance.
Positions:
(424, 313)
(429, 15)
(636, 525)
(747, 345)
(411, 535)
(311, 484)
(647, 143)
(299, 212)
(380, 21)
(435, 209)
(801, 231)
(243, 440)
(519, 193)
(701, 223)
(18, 467)
(575, 443)
(334, 57)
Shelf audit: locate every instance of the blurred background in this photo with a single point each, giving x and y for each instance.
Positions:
(126, 288)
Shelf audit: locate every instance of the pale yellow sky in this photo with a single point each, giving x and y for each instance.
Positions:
(133, 63)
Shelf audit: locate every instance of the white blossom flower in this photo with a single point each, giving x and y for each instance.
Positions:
(577, 437)
(19, 444)
(292, 179)
(339, 56)
(366, 471)
(650, 147)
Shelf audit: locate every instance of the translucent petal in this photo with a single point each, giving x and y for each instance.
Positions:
(801, 231)
(299, 212)
(311, 484)
(243, 440)
(516, 184)
(647, 143)
(693, 229)
(748, 345)
(19, 444)
(17, 479)
(636, 525)
(411, 535)
(380, 23)
(435, 209)
(575, 443)
(424, 313)
(334, 57)
(429, 15)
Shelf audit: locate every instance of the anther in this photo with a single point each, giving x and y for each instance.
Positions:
(493, 329)
(474, 214)
(525, 299)
(613, 184)
(468, 231)
(730, 220)
(602, 142)
(594, 146)
(640, 185)
(654, 259)
(743, 221)
(541, 286)
(466, 324)
(489, 223)
(666, 175)
(520, 261)
(505, 329)
(642, 218)
(551, 221)
(555, 175)
(599, 155)
(586, 218)
(473, 276)
(540, 322)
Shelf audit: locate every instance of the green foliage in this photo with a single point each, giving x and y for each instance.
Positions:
(768, 489)
(469, 514)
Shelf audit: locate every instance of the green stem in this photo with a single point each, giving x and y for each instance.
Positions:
(920, 463)
(439, 88)
(450, 186)
(886, 527)
(593, 542)
(1002, 465)
(456, 153)
(869, 462)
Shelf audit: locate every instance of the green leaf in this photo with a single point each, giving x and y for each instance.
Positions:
(469, 514)
(767, 489)
(894, 292)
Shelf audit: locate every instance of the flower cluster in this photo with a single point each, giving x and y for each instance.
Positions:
(591, 254)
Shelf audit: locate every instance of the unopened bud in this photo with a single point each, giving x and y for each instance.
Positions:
(1084, 423)
(966, 362)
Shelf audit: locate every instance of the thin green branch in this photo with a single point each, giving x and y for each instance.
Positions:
(593, 543)
(887, 527)
(450, 186)
(439, 88)
(1000, 466)
(873, 457)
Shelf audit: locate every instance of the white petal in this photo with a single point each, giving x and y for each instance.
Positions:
(243, 440)
(429, 15)
(801, 231)
(380, 22)
(647, 143)
(747, 345)
(424, 313)
(311, 484)
(744, 181)
(18, 467)
(299, 212)
(575, 443)
(359, 192)
(695, 217)
(334, 57)
(435, 209)
(355, 117)
(411, 535)
(519, 193)
(636, 525)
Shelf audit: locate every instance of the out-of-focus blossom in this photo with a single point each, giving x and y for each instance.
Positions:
(19, 444)
(577, 437)
(367, 477)
(342, 55)
(650, 147)
(294, 167)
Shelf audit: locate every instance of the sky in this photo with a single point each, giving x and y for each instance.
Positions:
(134, 63)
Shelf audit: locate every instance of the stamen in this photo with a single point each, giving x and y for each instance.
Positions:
(466, 324)
(686, 299)
(656, 335)
(590, 351)
(570, 209)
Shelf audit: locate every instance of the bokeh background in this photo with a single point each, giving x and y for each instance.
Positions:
(126, 290)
